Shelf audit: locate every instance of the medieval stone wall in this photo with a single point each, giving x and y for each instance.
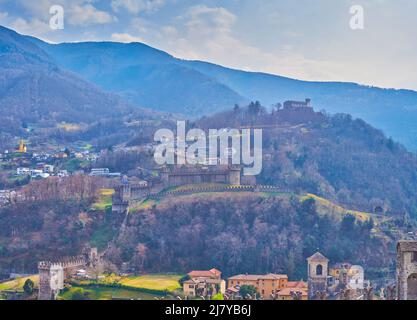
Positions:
(407, 270)
(47, 270)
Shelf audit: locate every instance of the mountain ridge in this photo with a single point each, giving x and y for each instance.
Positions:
(34, 89)
(193, 87)
(152, 78)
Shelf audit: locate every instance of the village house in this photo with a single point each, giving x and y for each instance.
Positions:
(203, 287)
(22, 171)
(204, 283)
(60, 155)
(337, 268)
(100, 172)
(63, 174)
(104, 172)
(48, 168)
(345, 274)
(210, 274)
(295, 290)
(232, 293)
(266, 285)
(292, 294)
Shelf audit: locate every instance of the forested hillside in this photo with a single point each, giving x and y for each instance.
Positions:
(337, 157)
(240, 233)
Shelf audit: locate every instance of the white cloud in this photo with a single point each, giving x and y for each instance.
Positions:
(125, 37)
(291, 38)
(88, 15)
(3, 17)
(208, 34)
(29, 26)
(137, 6)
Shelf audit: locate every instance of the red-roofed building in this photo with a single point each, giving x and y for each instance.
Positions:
(292, 294)
(266, 285)
(210, 274)
(297, 284)
(204, 283)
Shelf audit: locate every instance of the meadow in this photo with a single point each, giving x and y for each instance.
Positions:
(17, 284)
(106, 293)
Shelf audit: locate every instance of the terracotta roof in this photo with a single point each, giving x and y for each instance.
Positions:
(256, 277)
(341, 265)
(205, 273)
(287, 291)
(233, 289)
(317, 257)
(297, 284)
(215, 271)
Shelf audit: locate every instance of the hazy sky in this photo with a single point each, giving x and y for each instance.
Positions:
(305, 39)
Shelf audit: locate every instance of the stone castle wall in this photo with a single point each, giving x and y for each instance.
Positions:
(69, 267)
(407, 270)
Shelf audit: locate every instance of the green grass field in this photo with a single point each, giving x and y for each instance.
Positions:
(327, 207)
(145, 205)
(104, 201)
(147, 287)
(102, 293)
(156, 282)
(17, 284)
(153, 282)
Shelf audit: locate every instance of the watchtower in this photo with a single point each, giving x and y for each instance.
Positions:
(317, 275)
(234, 175)
(407, 270)
(51, 280)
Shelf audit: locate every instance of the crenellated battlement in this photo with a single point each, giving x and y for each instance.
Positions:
(69, 263)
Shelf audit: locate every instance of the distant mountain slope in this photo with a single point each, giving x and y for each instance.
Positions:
(155, 79)
(34, 89)
(393, 111)
(144, 76)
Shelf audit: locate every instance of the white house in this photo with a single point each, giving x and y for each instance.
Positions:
(100, 172)
(23, 171)
(48, 168)
(63, 173)
(356, 277)
(34, 173)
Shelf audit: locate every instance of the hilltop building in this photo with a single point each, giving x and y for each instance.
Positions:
(173, 176)
(291, 105)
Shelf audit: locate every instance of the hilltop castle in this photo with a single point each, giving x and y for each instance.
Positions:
(174, 176)
(182, 175)
(291, 105)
